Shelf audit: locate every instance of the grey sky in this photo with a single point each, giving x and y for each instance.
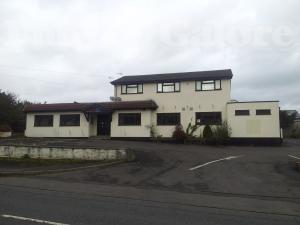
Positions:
(62, 51)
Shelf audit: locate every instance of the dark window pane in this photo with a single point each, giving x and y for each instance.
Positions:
(70, 120)
(168, 119)
(263, 112)
(129, 119)
(168, 87)
(208, 118)
(132, 89)
(208, 85)
(242, 112)
(43, 120)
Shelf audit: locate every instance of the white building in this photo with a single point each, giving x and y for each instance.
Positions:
(155, 104)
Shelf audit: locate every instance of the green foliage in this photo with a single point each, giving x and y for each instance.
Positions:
(286, 120)
(295, 133)
(152, 131)
(191, 129)
(179, 135)
(11, 113)
(207, 132)
(221, 134)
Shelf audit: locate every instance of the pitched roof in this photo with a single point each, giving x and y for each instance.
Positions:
(174, 77)
(91, 107)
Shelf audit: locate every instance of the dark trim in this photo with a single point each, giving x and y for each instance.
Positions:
(162, 83)
(261, 112)
(41, 115)
(201, 123)
(256, 141)
(177, 114)
(175, 77)
(137, 84)
(251, 102)
(77, 115)
(240, 112)
(214, 82)
(139, 123)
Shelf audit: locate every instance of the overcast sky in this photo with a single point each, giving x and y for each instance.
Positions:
(65, 51)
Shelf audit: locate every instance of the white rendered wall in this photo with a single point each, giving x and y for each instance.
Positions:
(187, 102)
(131, 131)
(57, 131)
(260, 126)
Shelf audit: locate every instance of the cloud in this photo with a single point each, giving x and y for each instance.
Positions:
(62, 51)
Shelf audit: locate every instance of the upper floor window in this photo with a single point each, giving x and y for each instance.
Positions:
(208, 118)
(69, 120)
(43, 120)
(263, 112)
(168, 87)
(129, 119)
(132, 89)
(208, 85)
(168, 119)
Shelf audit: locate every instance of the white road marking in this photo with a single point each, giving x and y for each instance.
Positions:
(32, 220)
(205, 164)
(294, 157)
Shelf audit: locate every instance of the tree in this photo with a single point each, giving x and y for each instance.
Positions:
(11, 111)
(286, 120)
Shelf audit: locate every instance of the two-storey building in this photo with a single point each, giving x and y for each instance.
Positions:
(152, 105)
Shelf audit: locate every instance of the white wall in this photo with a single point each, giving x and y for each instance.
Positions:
(267, 126)
(93, 125)
(187, 102)
(131, 131)
(56, 131)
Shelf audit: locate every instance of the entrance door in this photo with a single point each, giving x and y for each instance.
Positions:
(103, 124)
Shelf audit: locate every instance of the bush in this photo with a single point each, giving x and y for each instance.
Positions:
(295, 134)
(5, 128)
(179, 135)
(207, 132)
(190, 130)
(221, 134)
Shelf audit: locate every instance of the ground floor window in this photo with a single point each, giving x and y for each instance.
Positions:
(208, 118)
(129, 119)
(167, 119)
(43, 120)
(69, 120)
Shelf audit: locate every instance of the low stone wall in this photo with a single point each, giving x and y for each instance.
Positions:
(64, 153)
(5, 134)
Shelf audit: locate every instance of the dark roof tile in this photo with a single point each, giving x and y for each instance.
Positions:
(174, 77)
(91, 107)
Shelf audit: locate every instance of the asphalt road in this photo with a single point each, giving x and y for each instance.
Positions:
(64, 207)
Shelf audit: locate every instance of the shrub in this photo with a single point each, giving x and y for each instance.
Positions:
(221, 134)
(190, 130)
(5, 128)
(179, 135)
(295, 134)
(207, 132)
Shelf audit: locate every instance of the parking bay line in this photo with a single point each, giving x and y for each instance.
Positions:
(205, 164)
(32, 220)
(293, 157)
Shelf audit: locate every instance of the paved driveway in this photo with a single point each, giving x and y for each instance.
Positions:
(257, 171)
